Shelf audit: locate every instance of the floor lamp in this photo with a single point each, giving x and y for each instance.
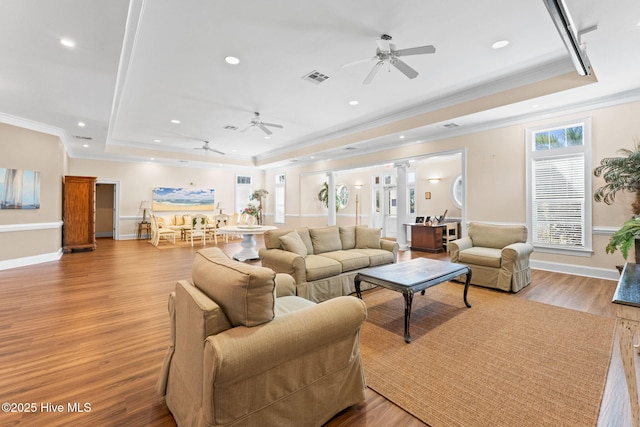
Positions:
(357, 187)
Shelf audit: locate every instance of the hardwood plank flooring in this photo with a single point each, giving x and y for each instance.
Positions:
(93, 328)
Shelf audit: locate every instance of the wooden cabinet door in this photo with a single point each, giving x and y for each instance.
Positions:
(79, 213)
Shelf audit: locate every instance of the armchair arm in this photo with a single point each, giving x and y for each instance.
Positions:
(391, 246)
(242, 352)
(516, 251)
(459, 245)
(285, 285)
(282, 261)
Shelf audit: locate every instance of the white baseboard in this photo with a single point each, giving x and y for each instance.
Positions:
(576, 270)
(30, 260)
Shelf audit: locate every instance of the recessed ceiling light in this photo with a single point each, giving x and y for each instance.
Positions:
(401, 136)
(535, 106)
(85, 145)
(156, 140)
(267, 137)
(67, 42)
(232, 60)
(175, 121)
(81, 124)
(500, 44)
(354, 102)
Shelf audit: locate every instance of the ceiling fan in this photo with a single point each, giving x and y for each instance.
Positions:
(386, 53)
(257, 122)
(206, 147)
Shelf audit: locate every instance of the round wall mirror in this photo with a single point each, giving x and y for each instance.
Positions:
(342, 196)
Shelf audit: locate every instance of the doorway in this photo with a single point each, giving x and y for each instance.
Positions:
(106, 210)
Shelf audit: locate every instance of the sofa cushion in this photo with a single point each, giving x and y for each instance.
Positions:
(178, 220)
(246, 293)
(496, 236)
(306, 238)
(292, 242)
(289, 304)
(367, 238)
(348, 237)
(319, 267)
(378, 256)
(325, 239)
(350, 260)
(488, 257)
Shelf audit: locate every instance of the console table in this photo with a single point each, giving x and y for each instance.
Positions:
(628, 297)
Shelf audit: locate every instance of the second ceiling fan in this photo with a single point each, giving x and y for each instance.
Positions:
(257, 122)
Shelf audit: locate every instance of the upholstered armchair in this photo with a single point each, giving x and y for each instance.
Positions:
(246, 351)
(498, 255)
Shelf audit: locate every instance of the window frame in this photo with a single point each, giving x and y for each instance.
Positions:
(532, 156)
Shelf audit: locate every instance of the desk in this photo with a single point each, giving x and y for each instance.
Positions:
(427, 237)
(144, 227)
(248, 251)
(628, 297)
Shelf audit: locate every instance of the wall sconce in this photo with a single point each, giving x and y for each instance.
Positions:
(434, 180)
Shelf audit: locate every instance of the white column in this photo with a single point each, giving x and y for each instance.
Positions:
(331, 217)
(401, 231)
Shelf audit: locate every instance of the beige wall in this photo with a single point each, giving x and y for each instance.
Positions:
(34, 232)
(495, 188)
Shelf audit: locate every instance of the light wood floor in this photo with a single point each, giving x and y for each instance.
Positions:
(93, 328)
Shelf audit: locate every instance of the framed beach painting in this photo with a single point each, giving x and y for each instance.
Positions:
(19, 189)
(182, 199)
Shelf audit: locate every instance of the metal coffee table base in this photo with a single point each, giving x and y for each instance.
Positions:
(413, 276)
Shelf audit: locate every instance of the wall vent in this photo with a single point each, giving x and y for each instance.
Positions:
(315, 77)
(350, 148)
(450, 125)
(87, 138)
(231, 127)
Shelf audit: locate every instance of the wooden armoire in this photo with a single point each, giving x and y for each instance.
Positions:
(78, 213)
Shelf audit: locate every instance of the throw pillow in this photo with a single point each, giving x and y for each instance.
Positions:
(292, 242)
(325, 239)
(368, 238)
(348, 237)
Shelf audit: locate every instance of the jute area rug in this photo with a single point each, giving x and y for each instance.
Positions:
(503, 362)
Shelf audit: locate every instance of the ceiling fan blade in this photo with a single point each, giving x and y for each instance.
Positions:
(247, 128)
(420, 50)
(216, 151)
(273, 125)
(376, 68)
(359, 61)
(383, 45)
(405, 69)
(264, 129)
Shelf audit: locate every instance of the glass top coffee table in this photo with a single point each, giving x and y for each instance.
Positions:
(410, 277)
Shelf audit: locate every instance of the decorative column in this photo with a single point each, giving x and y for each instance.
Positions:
(331, 203)
(401, 230)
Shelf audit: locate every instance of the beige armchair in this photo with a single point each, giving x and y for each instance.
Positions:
(246, 351)
(498, 255)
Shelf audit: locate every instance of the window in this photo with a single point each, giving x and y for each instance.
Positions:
(411, 183)
(243, 192)
(279, 200)
(559, 187)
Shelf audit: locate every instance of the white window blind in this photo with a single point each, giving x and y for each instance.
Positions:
(559, 201)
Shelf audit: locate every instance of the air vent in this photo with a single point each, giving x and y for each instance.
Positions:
(86, 138)
(350, 148)
(450, 125)
(231, 127)
(183, 161)
(315, 77)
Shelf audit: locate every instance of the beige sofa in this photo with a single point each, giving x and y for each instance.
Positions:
(498, 255)
(246, 351)
(324, 261)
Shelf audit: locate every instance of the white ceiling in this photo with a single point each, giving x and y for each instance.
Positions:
(139, 64)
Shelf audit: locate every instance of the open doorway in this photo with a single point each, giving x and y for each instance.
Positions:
(106, 210)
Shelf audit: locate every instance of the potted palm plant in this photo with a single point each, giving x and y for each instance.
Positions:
(622, 173)
(323, 196)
